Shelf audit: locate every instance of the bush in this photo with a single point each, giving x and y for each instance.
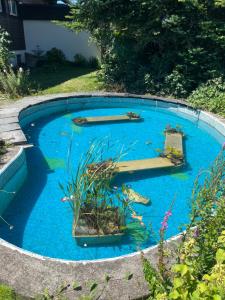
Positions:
(80, 60)
(6, 293)
(180, 43)
(55, 56)
(200, 266)
(93, 62)
(5, 54)
(14, 83)
(210, 96)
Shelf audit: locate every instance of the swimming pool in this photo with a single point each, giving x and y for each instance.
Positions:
(43, 224)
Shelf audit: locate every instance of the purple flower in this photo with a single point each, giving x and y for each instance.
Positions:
(164, 223)
(223, 146)
(196, 232)
(168, 213)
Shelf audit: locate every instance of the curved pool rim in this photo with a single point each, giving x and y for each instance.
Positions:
(22, 109)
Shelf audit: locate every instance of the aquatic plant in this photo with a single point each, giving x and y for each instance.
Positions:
(170, 129)
(133, 115)
(79, 120)
(175, 155)
(94, 202)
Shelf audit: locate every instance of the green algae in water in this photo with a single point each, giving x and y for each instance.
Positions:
(68, 116)
(137, 233)
(180, 176)
(55, 163)
(64, 133)
(76, 129)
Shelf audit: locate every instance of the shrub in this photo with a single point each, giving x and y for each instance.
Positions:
(93, 62)
(7, 293)
(80, 60)
(200, 266)
(5, 54)
(55, 56)
(210, 96)
(14, 83)
(181, 43)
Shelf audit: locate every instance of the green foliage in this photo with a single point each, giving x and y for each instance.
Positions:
(80, 60)
(93, 62)
(5, 54)
(163, 47)
(90, 194)
(3, 147)
(55, 56)
(200, 267)
(14, 83)
(210, 96)
(6, 293)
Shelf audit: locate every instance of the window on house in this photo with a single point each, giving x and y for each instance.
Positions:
(0, 5)
(12, 7)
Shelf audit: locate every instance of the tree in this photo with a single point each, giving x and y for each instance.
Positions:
(165, 46)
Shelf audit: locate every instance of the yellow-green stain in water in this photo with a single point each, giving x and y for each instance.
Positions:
(76, 129)
(68, 116)
(180, 176)
(64, 133)
(55, 163)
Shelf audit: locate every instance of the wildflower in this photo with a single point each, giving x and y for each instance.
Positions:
(223, 146)
(164, 223)
(85, 245)
(64, 199)
(21, 70)
(115, 188)
(11, 227)
(196, 232)
(168, 213)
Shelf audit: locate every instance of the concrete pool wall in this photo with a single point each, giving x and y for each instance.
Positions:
(34, 273)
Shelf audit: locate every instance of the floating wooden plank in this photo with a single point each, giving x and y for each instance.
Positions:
(142, 165)
(136, 197)
(174, 141)
(103, 119)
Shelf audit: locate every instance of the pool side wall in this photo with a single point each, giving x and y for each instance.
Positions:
(29, 273)
(12, 177)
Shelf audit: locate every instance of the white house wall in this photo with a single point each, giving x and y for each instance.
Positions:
(47, 35)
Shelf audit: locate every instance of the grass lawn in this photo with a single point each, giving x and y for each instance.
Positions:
(66, 78)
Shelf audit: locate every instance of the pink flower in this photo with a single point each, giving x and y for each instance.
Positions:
(64, 199)
(168, 213)
(164, 223)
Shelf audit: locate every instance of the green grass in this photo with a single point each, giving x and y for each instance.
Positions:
(66, 78)
(6, 293)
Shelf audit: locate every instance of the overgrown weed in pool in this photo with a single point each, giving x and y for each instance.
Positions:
(99, 209)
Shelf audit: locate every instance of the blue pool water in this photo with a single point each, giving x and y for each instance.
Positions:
(43, 224)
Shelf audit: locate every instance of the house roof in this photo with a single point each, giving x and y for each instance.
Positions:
(43, 11)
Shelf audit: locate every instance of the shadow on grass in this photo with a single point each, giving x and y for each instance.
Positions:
(48, 76)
